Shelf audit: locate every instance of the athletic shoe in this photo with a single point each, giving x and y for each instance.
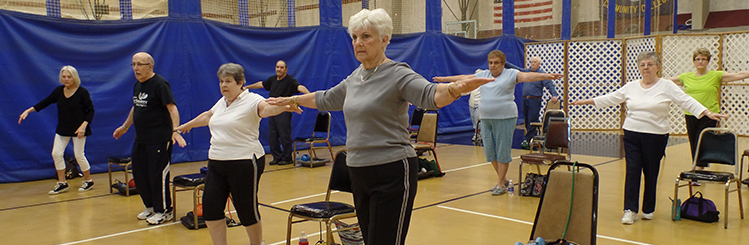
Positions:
(524, 145)
(59, 188)
(87, 186)
(284, 163)
(499, 191)
(159, 218)
(274, 162)
(145, 214)
(629, 217)
(647, 216)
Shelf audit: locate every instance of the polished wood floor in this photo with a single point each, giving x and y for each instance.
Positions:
(454, 209)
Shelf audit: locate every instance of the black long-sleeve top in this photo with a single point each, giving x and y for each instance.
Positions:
(71, 112)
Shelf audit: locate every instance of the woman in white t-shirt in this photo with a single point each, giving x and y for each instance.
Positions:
(236, 158)
(646, 129)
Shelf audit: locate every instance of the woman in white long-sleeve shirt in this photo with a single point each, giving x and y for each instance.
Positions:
(646, 129)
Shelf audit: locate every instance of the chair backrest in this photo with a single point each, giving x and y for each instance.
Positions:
(428, 128)
(717, 145)
(322, 124)
(549, 114)
(416, 116)
(558, 135)
(339, 175)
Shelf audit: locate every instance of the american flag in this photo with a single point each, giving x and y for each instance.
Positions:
(527, 12)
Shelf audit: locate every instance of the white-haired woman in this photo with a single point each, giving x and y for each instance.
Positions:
(236, 158)
(703, 86)
(374, 100)
(646, 129)
(75, 111)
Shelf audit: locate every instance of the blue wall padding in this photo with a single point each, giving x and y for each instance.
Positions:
(188, 52)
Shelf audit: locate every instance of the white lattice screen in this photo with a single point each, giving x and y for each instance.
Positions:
(635, 46)
(594, 68)
(676, 56)
(552, 61)
(736, 52)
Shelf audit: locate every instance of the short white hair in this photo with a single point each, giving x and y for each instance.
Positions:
(73, 73)
(379, 19)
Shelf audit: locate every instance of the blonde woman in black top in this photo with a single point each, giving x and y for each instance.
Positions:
(74, 114)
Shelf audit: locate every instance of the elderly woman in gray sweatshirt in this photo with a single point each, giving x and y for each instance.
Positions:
(374, 100)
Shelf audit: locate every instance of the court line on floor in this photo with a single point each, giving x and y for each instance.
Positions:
(54, 202)
(121, 233)
(531, 223)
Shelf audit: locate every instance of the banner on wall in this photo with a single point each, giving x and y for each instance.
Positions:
(528, 13)
(630, 8)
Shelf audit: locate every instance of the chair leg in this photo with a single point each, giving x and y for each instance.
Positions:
(520, 172)
(330, 148)
(725, 208)
(288, 230)
(676, 197)
(741, 201)
(434, 153)
(174, 202)
(329, 232)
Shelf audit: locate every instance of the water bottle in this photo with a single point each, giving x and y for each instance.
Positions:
(303, 239)
(511, 189)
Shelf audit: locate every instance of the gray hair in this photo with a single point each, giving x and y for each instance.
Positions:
(378, 19)
(649, 55)
(233, 70)
(536, 58)
(73, 72)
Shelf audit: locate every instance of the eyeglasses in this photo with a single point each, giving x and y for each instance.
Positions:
(134, 64)
(702, 59)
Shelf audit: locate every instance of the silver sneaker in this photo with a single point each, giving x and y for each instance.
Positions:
(159, 218)
(499, 191)
(145, 214)
(629, 217)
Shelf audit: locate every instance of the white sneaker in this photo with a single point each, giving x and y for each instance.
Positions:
(629, 217)
(145, 214)
(647, 216)
(159, 218)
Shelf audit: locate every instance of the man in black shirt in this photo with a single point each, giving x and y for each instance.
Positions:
(279, 126)
(155, 115)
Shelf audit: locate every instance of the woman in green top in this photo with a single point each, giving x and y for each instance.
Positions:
(704, 86)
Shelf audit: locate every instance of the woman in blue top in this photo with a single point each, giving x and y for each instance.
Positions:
(498, 111)
(74, 114)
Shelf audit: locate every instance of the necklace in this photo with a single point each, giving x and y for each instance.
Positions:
(361, 76)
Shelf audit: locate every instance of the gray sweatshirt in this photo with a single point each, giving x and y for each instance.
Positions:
(376, 111)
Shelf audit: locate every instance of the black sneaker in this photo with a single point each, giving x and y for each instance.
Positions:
(274, 162)
(59, 188)
(86, 186)
(284, 162)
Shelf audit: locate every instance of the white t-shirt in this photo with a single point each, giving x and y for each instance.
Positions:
(648, 109)
(235, 129)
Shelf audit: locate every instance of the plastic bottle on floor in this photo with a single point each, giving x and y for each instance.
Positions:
(303, 239)
(511, 189)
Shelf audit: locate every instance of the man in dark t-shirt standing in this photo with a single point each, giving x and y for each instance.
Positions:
(155, 115)
(279, 126)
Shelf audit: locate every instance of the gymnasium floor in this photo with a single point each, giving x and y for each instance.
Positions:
(454, 209)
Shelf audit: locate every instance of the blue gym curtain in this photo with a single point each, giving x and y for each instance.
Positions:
(188, 52)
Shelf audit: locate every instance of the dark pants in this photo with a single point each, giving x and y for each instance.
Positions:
(240, 178)
(280, 136)
(531, 108)
(384, 199)
(151, 174)
(643, 152)
(694, 127)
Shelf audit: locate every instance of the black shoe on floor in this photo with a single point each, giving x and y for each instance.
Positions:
(284, 162)
(274, 162)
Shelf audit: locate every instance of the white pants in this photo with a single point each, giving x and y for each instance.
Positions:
(58, 151)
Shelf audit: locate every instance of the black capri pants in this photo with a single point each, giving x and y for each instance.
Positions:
(240, 178)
